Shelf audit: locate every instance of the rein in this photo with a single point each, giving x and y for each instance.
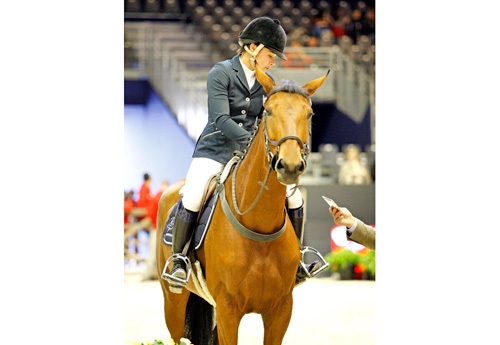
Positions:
(263, 185)
(220, 189)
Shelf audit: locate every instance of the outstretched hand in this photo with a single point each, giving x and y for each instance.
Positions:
(342, 216)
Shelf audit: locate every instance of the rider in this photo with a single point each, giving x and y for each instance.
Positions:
(235, 100)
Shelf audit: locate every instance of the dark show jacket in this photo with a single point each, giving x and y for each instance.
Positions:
(229, 123)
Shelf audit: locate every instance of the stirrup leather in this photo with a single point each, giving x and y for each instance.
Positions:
(312, 250)
(175, 280)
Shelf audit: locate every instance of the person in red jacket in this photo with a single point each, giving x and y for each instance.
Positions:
(129, 205)
(141, 219)
(145, 195)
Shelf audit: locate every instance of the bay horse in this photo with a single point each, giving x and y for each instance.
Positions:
(250, 254)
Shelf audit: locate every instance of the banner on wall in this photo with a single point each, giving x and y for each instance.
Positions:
(338, 239)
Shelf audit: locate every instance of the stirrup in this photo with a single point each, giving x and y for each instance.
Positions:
(176, 284)
(303, 251)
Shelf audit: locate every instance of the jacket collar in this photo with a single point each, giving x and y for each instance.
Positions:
(240, 74)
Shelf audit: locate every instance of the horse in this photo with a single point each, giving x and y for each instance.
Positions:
(249, 258)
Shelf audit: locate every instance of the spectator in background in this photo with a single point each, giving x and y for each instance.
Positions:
(130, 225)
(139, 212)
(150, 273)
(297, 57)
(339, 21)
(312, 41)
(369, 26)
(129, 205)
(145, 195)
(352, 171)
(136, 219)
(356, 25)
(322, 28)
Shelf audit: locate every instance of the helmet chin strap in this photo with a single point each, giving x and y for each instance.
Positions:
(253, 54)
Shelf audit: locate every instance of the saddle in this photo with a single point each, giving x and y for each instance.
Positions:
(204, 217)
(209, 201)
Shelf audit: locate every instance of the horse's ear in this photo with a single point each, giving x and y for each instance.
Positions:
(313, 85)
(264, 80)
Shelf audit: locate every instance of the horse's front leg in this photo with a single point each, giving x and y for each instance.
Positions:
(228, 322)
(276, 321)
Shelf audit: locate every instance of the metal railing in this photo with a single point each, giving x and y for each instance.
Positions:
(176, 59)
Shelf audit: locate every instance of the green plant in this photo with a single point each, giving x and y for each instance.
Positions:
(340, 259)
(368, 261)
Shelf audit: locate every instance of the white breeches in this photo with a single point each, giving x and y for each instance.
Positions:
(200, 170)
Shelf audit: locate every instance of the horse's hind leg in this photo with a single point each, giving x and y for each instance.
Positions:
(276, 321)
(174, 308)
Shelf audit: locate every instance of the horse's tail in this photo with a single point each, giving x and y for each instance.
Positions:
(200, 325)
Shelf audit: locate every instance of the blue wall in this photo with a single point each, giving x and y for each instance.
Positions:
(154, 143)
(330, 125)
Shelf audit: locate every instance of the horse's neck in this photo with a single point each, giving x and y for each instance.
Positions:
(251, 174)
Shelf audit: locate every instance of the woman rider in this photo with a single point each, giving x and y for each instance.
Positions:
(234, 103)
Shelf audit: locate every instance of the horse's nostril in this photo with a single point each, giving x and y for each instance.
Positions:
(279, 165)
(302, 167)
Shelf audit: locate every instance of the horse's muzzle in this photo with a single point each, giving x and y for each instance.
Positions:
(289, 173)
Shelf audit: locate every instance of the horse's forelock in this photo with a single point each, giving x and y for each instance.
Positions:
(290, 87)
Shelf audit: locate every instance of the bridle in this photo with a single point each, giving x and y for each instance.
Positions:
(304, 148)
(272, 158)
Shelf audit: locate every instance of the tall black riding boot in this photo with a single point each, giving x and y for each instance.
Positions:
(297, 218)
(184, 224)
(304, 271)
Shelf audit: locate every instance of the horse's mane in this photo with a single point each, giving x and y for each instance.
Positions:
(289, 86)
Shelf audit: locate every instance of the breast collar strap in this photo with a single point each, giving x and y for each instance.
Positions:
(255, 236)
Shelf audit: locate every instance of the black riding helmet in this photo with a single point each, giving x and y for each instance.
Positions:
(267, 31)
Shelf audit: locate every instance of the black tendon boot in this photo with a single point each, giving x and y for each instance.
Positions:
(304, 271)
(185, 221)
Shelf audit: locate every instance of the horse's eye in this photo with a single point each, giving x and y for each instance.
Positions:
(310, 115)
(268, 112)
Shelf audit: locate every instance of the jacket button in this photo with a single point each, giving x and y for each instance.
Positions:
(243, 111)
(240, 124)
(247, 99)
